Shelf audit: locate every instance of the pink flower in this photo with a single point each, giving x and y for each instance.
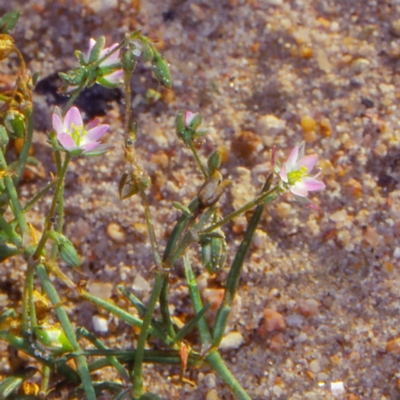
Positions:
(110, 72)
(295, 173)
(112, 60)
(188, 118)
(77, 138)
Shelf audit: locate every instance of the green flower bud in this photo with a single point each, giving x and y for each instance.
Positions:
(129, 61)
(66, 249)
(53, 339)
(161, 70)
(15, 123)
(213, 252)
(184, 133)
(148, 52)
(214, 162)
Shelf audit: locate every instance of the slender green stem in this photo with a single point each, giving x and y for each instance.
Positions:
(263, 197)
(27, 303)
(100, 346)
(137, 389)
(212, 357)
(113, 309)
(73, 97)
(13, 195)
(215, 361)
(198, 161)
(12, 235)
(166, 317)
(150, 356)
(234, 273)
(62, 315)
(142, 310)
(38, 196)
(180, 226)
(48, 222)
(150, 227)
(205, 335)
(44, 385)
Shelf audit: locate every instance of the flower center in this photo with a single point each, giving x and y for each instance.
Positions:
(297, 175)
(78, 133)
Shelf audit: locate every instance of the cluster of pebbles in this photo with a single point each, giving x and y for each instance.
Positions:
(316, 316)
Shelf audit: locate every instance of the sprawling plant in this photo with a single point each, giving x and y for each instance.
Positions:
(33, 330)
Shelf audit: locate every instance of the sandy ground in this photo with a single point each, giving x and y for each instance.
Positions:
(319, 299)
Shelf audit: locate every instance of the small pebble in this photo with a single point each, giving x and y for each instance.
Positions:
(116, 233)
(212, 395)
(100, 324)
(233, 340)
(140, 284)
(273, 320)
(337, 388)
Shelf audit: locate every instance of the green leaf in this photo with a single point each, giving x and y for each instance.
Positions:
(8, 385)
(149, 396)
(8, 21)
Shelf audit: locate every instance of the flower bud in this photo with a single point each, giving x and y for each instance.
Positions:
(15, 123)
(66, 249)
(213, 252)
(186, 135)
(192, 120)
(53, 339)
(129, 60)
(161, 70)
(214, 162)
(148, 52)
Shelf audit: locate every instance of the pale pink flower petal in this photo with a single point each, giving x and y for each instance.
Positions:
(66, 141)
(299, 189)
(292, 159)
(312, 184)
(76, 138)
(188, 117)
(113, 59)
(57, 124)
(89, 146)
(115, 77)
(283, 174)
(307, 162)
(72, 119)
(92, 42)
(97, 133)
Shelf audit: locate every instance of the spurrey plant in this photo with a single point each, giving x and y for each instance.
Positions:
(64, 355)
